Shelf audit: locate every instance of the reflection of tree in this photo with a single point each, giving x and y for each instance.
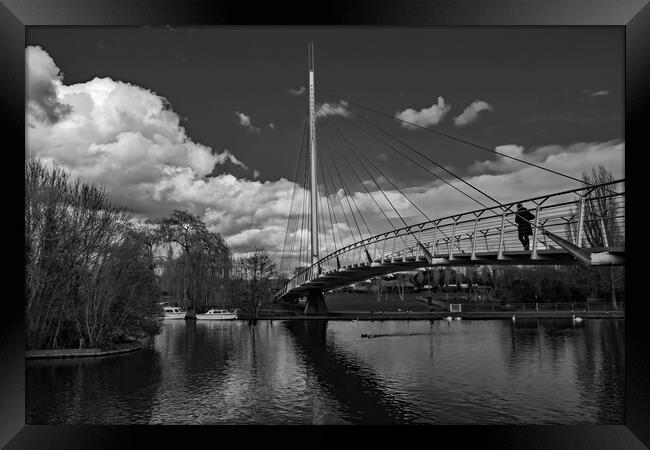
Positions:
(596, 361)
(205, 348)
(112, 390)
(600, 368)
(525, 336)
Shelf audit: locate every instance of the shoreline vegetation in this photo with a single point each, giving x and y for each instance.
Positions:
(96, 274)
(89, 281)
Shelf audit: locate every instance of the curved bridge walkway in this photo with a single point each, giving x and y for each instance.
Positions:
(585, 225)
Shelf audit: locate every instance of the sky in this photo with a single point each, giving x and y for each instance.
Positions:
(209, 119)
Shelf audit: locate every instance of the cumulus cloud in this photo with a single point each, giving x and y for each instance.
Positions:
(301, 90)
(245, 121)
(574, 156)
(501, 163)
(129, 140)
(227, 156)
(426, 116)
(470, 114)
(43, 85)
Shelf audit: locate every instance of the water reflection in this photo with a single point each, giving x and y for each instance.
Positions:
(581, 365)
(355, 387)
(111, 390)
(304, 372)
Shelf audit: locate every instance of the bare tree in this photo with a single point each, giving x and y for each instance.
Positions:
(87, 278)
(253, 281)
(601, 222)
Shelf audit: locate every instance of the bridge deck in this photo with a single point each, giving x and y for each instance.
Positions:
(586, 225)
(354, 273)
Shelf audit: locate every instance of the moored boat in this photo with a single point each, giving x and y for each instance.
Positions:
(217, 314)
(174, 312)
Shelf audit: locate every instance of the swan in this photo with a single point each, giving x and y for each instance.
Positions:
(448, 318)
(577, 319)
(458, 318)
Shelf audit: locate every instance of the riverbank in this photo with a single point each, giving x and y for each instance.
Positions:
(487, 315)
(84, 352)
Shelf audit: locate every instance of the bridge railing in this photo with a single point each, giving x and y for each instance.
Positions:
(592, 216)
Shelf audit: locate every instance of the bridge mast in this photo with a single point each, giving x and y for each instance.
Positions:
(315, 303)
(312, 153)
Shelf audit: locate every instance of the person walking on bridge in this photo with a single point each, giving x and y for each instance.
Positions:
(523, 218)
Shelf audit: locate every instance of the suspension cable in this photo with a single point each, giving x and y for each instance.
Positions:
(293, 192)
(349, 196)
(297, 220)
(455, 138)
(329, 208)
(345, 216)
(366, 158)
(420, 165)
(355, 152)
(428, 159)
(366, 188)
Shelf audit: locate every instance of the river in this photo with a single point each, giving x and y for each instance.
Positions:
(320, 372)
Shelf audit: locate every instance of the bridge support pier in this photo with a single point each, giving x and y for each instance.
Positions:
(315, 303)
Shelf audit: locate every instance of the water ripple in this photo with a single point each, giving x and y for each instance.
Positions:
(314, 372)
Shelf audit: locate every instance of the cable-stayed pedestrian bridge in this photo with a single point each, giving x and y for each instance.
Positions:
(569, 227)
(329, 242)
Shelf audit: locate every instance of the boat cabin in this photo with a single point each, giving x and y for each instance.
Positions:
(218, 311)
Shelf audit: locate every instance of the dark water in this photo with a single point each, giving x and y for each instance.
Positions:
(317, 372)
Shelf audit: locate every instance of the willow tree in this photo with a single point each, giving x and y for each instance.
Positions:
(202, 267)
(183, 228)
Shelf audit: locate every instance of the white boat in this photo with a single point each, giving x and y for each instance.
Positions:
(217, 314)
(173, 312)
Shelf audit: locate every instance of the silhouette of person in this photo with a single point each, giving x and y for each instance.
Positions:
(523, 218)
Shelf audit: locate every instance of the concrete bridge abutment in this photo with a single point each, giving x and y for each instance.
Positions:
(315, 303)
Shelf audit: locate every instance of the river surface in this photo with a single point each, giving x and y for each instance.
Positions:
(319, 372)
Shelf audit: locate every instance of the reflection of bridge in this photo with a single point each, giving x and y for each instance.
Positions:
(345, 379)
(583, 225)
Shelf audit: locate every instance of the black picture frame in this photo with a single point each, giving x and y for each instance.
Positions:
(633, 15)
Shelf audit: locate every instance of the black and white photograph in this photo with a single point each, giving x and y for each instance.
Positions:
(325, 225)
